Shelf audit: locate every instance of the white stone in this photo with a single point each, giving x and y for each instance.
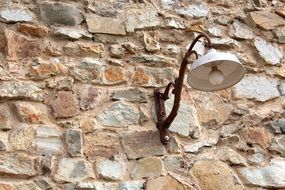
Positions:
(97, 185)
(167, 4)
(272, 55)
(270, 176)
(171, 49)
(16, 15)
(46, 131)
(258, 87)
(217, 31)
(109, 169)
(194, 11)
(132, 185)
(173, 23)
(241, 31)
(73, 33)
(211, 140)
(281, 87)
(224, 42)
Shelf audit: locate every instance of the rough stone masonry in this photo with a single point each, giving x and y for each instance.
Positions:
(76, 103)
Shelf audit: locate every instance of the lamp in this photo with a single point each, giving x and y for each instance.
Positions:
(210, 72)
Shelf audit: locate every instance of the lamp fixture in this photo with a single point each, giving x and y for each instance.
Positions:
(210, 72)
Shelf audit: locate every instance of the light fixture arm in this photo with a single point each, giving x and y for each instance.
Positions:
(163, 122)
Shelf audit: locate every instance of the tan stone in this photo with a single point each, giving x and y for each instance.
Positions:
(21, 138)
(281, 11)
(84, 49)
(165, 183)
(33, 30)
(100, 144)
(114, 75)
(256, 135)
(88, 124)
(213, 175)
(4, 186)
(140, 77)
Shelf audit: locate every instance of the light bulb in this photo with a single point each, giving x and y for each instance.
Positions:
(216, 76)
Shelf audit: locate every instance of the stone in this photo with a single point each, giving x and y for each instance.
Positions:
(152, 77)
(27, 185)
(281, 88)
(117, 51)
(88, 95)
(18, 165)
(229, 129)
(132, 185)
(223, 20)
(277, 145)
(136, 144)
(12, 15)
(100, 143)
(174, 23)
(154, 60)
(74, 142)
(164, 183)
(213, 175)
(6, 186)
(88, 124)
(173, 163)
(233, 157)
(256, 135)
(258, 87)
(240, 30)
(113, 75)
(65, 105)
(47, 164)
(141, 18)
(119, 114)
(112, 170)
(270, 54)
(84, 49)
(6, 117)
(31, 112)
(98, 185)
(105, 25)
(224, 43)
(210, 140)
(270, 176)
(280, 11)
(171, 49)
(60, 13)
(194, 11)
(147, 167)
(131, 95)
(277, 126)
(73, 170)
(47, 141)
(33, 29)
(150, 42)
(73, 33)
(21, 138)
(60, 83)
(19, 46)
(217, 30)
(280, 34)
(43, 183)
(257, 158)
(265, 20)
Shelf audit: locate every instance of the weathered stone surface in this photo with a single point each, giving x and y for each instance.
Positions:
(213, 175)
(20, 47)
(256, 135)
(33, 29)
(6, 186)
(21, 138)
(100, 143)
(224, 43)
(73, 170)
(233, 157)
(136, 144)
(228, 130)
(72, 33)
(281, 88)
(154, 60)
(194, 11)
(98, 185)
(113, 75)
(277, 126)
(171, 49)
(60, 83)
(147, 167)
(6, 117)
(152, 77)
(258, 87)
(265, 20)
(112, 170)
(173, 163)
(141, 17)
(74, 142)
(65, 105)
(217, 30)
(277, 145)
(174, 23)
(164, 183)
(241, 31)
(119, 114)
(19, 165)
(48, 141)
(105, 25)
(117, 50)
(84, 49)
(151, 42)
(132, 185)
(280, 34)
(12, 15)
(270, 54)
(26, 185)
(60, 13)
(131, 95)
(88, 95)
(270, 176)
(88, 124)
(43, 183)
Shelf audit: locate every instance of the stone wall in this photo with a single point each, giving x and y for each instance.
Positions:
(76, 86)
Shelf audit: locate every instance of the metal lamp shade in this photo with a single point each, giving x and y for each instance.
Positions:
(232, 69)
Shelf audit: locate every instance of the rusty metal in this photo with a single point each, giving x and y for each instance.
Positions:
(163, 122)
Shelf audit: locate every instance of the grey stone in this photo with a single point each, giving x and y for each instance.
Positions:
(119, 114)
(60, 83)
(277, 126)
(73, 170)
(280, 34)
(217, 31)
(257, 158)
(171, 49)
(195, 147)
(137, 144)
(2, 146)
(228, 130)
(167, 4)
(141, 17)
(194, 11)
(241, 31)
(150, 42)
(47, 163)
(233, 157)
(131, 95)
(258, 87)
(73, 33)
(154, 60)
(98, 185)
(270, 54)
(43, 183)
(224, 43)
(173, 163)
(223, 20)
(132, 185)
(74, 142)
(11, 15)
(19, 165)
(88, 95)
(277, 144)
(174, 24)
(60, 13)
(281, 88)
(112, 170)
(105, 25)
(21, 90)
(270, 176)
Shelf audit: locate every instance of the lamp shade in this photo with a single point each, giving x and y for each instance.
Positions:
(215, 71)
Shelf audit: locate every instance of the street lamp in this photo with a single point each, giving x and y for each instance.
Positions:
(210, 72)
